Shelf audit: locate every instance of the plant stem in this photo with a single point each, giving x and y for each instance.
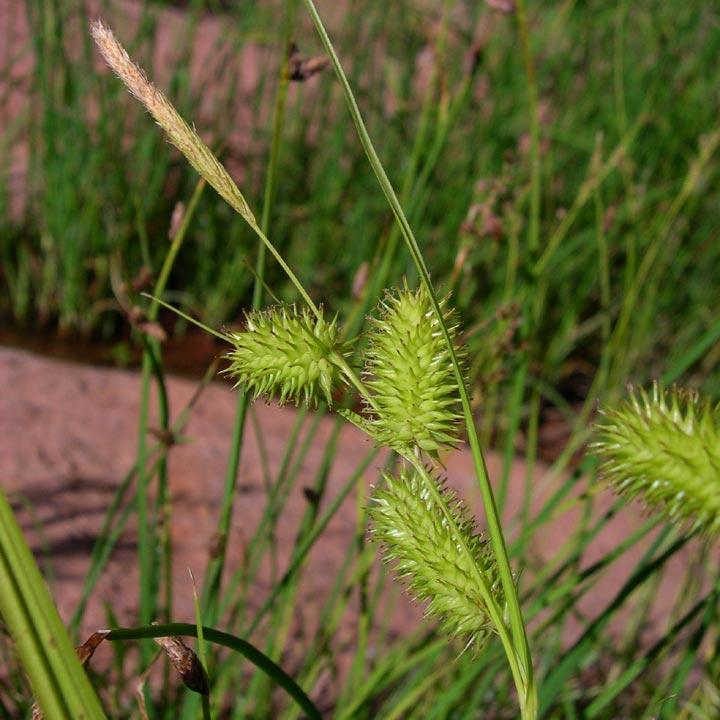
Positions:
(519, 652)
(532, 96)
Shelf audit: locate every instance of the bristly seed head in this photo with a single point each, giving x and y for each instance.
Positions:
(440, 561)
(408, 369)
(667, 452)
(286, 353)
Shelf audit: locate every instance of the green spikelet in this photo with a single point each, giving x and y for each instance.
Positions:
(667, 452)
(286, 353)
(408, 369)
(439, 559)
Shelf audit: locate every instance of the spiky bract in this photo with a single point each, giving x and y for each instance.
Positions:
(409, 371)
(286, 353)
(442, 560)
(665, 450)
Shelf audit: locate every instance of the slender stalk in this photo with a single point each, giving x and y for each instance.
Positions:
(211, 593)
(519, 650)
(532, 97)
(146, 551)
(152, 364)
(232, 642)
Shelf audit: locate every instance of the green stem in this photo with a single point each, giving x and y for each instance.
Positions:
(532, 97)
(175, 246)
(257, 658)
(519, 651)
(213, 576)
(145, 551)
(151, 363)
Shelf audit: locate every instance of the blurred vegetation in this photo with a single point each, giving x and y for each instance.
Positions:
(448, 108)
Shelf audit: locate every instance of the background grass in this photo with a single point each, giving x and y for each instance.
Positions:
(600, 269)
(102, 183)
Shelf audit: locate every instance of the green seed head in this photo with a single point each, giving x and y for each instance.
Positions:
(409, 371)
(665, 450)
(285, 353)
(432, 553)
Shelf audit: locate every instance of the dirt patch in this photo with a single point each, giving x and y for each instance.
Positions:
(69, 436)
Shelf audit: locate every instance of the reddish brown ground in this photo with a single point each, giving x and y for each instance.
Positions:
(69, 437)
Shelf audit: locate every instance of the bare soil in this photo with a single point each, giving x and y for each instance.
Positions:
(69, 437)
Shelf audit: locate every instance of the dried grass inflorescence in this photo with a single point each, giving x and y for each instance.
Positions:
(440, 560)
(410, 374)
(287, 353)
(665, 449)
(180, 133)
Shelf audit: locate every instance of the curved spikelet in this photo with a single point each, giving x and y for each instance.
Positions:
(409, 371)
(286, 353)
(440, 560)
(665, 450)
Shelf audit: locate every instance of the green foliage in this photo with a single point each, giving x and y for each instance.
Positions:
(601, 70)
(59, 682)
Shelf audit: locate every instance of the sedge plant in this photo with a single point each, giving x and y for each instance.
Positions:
(660, 450)
(410, 385)
(413, 394)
